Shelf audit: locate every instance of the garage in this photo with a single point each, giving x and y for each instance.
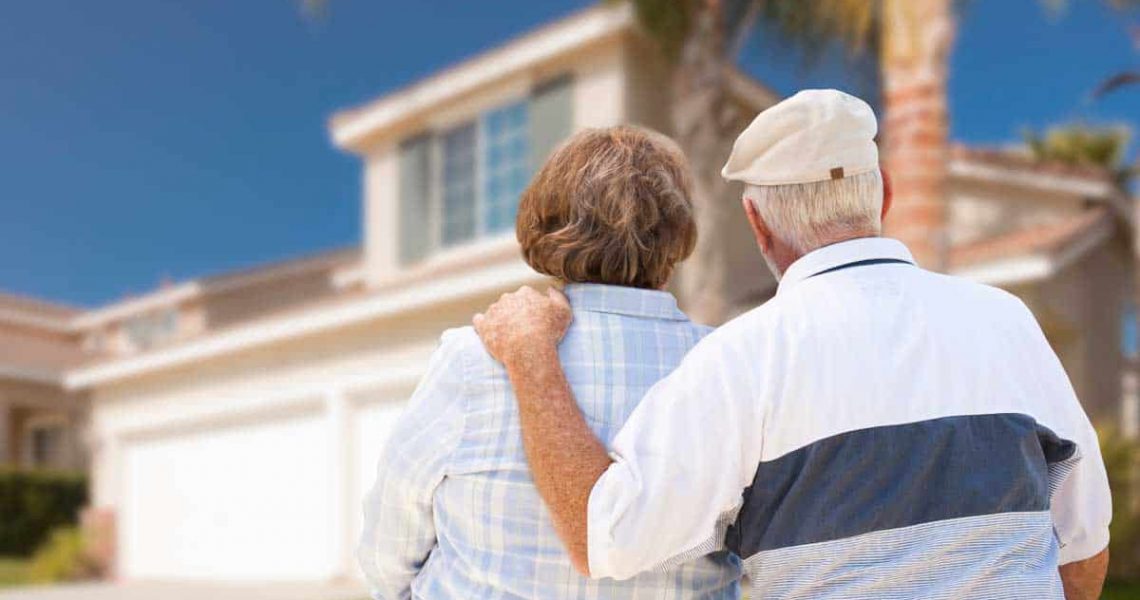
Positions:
(250, 500)
(372, 423)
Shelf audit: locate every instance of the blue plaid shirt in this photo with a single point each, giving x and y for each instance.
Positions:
(454, 513)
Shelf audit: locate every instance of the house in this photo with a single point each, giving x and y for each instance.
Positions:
(240, 448)
(1061, 239)
(234, 423)
(40, 422)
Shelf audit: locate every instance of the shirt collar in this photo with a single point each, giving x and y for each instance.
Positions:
(616, 299)
(835, 255)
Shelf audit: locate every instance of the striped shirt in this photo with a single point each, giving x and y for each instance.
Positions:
(454, 513)
(874, 431)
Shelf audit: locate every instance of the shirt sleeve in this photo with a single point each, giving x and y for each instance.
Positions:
(1082, 500)
(399, 531)
(681, 463)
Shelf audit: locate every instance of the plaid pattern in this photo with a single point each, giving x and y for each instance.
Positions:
(454, 513)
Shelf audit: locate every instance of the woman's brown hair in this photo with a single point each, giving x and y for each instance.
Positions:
(612, 206)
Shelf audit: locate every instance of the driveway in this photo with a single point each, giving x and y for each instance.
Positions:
(186, 591)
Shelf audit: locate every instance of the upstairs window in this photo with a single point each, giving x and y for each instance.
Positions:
(151, 329)
(506, 165)
(1129, 332)
(459, 215)
(464, 183)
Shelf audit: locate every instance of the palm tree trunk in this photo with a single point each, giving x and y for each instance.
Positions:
(702, 120)
(918, 36)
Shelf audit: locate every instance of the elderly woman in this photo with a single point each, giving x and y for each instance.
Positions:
(454, 513)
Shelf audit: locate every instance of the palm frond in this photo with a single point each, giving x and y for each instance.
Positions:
(314, 8)
(1084, 145)
(814, 26)
(1114, 83)
(668, 22)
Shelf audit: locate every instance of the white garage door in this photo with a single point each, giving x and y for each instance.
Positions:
(371, 424)
(243, 502)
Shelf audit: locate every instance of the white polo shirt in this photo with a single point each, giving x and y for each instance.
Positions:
(875, 430)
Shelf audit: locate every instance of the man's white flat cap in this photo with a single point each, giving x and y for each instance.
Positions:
(813, 136)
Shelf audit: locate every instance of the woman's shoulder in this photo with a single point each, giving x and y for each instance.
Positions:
(463, 344)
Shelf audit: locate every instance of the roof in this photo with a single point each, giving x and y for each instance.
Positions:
(1017, 167)
(328, 315)
(39, 330)
(224, 282)
(1020, 159)
(40, 358)
(350, 127)
(1032, 253)
(1035, 251)
(34, 313)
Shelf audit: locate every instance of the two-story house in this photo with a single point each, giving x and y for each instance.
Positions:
(241, 451)
(234, 423)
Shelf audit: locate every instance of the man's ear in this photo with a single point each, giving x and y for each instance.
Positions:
(759, 229)
(888, 193)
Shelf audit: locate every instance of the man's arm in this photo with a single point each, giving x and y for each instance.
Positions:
(1084, 579)
(1081, 504)
(565, 457)
(399, 530)
(676, 468)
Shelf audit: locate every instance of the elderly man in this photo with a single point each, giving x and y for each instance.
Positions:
(874, 431)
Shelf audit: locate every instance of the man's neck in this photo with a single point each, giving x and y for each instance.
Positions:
(794, 256)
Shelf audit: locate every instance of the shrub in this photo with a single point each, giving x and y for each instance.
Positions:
(1122, 461)
(34, 503)
(64, 557)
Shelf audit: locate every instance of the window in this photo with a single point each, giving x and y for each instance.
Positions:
(415, 195)
(148, 330)
(506, 165)
(47, 446)
(464, 182)
(1129, 332)
(458, 183)
(45, 443)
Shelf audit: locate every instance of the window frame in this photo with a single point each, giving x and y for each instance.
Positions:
(153, 328)
(447, 119)
(478, 120)
(45, 423)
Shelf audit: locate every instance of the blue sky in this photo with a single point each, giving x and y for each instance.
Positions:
(151, 139)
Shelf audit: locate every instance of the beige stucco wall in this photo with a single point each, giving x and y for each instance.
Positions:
(648, 89)
(247, 302)
(599, 100)
(983, 209)
(1080, 312)
(27, 404)
(1080, 306)
(345, 376)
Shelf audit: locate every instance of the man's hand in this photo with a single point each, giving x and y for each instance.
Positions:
(1084, 579)
(522, 330)
(523, 322)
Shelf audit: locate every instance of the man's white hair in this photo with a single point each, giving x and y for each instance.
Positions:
(808, 216)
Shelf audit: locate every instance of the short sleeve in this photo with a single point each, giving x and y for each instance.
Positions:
(681, 463)
(1081, 502)
(399, 530)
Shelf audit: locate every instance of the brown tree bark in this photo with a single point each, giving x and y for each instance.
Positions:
(917, 38)
(703, 119)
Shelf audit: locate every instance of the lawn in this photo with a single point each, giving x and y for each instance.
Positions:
(13, 571)
(1121, 591)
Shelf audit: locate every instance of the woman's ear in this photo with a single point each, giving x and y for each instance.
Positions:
(759, 229)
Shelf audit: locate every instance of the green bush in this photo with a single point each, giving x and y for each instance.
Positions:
(64, 557)
(34, 503)
(1122, 461)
